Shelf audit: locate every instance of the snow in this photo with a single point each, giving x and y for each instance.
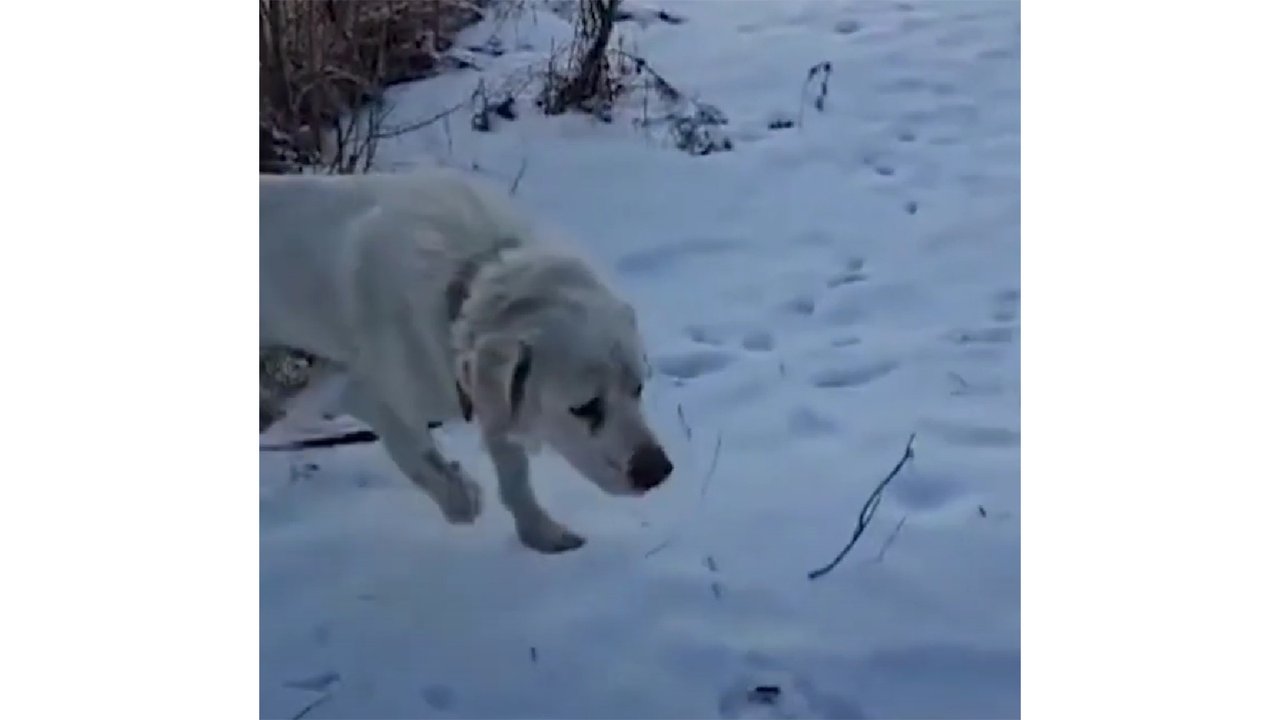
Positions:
(809, 299)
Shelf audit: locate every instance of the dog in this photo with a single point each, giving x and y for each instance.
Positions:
(430, 298)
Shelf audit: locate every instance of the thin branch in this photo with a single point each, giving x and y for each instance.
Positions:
(868, 510)
(403, 129)
(515, 184)
(688, 431)
(715, 460)
(889, 541)
(314, 704)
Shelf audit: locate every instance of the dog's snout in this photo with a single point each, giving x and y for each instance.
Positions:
(649, 466)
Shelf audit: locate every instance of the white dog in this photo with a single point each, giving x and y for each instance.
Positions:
(437, 301)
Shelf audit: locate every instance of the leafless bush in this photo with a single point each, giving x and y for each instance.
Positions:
(323, 66)
(589, 79)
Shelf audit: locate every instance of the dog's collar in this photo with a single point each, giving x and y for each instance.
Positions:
(456, 294)
(459, 287)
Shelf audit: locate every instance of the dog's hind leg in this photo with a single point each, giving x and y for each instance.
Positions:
(535, 528)
(415, 452)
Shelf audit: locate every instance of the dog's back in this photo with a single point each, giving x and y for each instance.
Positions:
(339, 249)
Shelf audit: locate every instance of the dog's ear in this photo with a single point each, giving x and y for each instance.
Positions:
(496, 375)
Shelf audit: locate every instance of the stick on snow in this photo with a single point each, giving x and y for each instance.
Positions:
(868, 510)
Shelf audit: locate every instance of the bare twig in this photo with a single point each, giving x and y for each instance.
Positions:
(889, 541)
(688, 431)
(515, 184)
(715, 460)
(868, 510)
(822, 69)
(403, 129)
(314, 704)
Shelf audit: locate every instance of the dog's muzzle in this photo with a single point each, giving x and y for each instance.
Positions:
(648, 467)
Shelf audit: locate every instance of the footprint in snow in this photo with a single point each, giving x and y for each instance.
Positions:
(690, 364)
(847, 27)
(972, 434)
(805, 422)
(664, 258)
(318, 683)
(758, 341)
(704, 335)
(439, 697)
(853, 273)
(1007, 305)
(799, 305)
(767, 689)
(921, 492)
(998, 335)
(852, 376)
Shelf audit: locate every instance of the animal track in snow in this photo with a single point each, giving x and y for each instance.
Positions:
(923, 492)
(852, 375)
(852, 273)
(988, 335)
(880, 165)
(846, 278)
(799, 305)
(665, 257)
(317, 683)
(972, 435)
(690, 364)
(1008, 305)
(704, 336)
(807, 422)
(766, 689)
(439, 697)
(847, 27)
(758, 340)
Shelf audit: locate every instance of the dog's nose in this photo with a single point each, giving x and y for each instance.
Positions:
(648, 467)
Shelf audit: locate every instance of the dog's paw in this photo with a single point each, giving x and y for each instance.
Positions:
(549, 537)
(461, 504)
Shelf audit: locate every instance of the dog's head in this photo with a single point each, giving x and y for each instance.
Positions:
(557, 359)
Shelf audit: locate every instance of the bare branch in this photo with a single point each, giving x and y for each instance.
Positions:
(889, 541)
(868, 510)
(314, 704)
(403, 129)
(515, 184)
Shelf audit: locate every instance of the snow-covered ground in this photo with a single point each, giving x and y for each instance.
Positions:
(809, 299)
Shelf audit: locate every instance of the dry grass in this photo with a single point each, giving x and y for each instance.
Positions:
(589, 81)
(322, 61)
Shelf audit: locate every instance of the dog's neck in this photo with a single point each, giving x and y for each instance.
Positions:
(456, 294)
(459, 287)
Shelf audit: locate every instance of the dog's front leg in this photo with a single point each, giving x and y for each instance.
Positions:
(414, 451)
(535, 528)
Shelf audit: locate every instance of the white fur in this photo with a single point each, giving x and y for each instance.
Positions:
(360, 271)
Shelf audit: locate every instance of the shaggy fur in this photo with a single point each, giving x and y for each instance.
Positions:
(430, 299)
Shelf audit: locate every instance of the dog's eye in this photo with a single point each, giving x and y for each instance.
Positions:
(592, 411)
